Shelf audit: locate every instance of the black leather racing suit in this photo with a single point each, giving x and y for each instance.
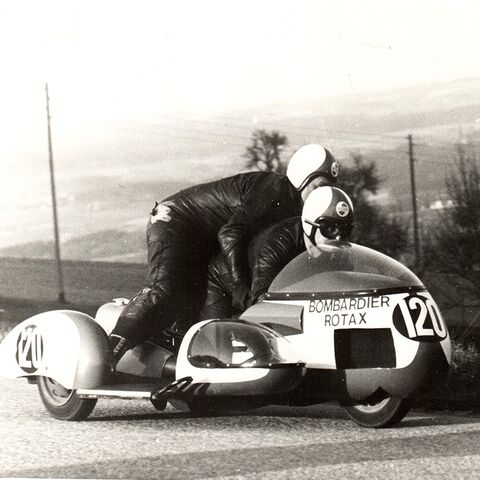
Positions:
(268, 253)
(183, 233)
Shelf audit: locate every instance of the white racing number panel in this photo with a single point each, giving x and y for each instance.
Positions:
(46, 344)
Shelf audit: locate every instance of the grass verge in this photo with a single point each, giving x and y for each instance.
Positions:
(14, 311)
(461, 390)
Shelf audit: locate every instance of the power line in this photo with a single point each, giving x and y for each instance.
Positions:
(436, 162)
(243, 124)
(239, 123)
(203, 133)
(301, 134)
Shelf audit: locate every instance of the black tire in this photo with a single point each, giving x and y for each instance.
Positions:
(379, 413)
(62, 403)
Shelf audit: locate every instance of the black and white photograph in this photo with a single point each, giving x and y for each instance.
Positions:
(239, 239)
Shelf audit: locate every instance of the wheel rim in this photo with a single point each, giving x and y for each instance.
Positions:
(371, 407)
(57, 393)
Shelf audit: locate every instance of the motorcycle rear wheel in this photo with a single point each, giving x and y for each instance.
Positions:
(379, 413)
(62, 403)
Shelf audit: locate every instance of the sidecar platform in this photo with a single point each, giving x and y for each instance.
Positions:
(153, 391)
(121, 390)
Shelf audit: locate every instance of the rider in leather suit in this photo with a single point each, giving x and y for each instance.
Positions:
(277, 245)
(187, 228)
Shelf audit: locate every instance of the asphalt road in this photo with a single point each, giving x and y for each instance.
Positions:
(130, 439)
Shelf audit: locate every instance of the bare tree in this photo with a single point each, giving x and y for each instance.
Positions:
(456, 241)
(266, 150)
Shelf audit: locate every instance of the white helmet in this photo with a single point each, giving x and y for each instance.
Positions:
(311, 161)
(330, 210)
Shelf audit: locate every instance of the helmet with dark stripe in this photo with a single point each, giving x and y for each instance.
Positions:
(311, 161)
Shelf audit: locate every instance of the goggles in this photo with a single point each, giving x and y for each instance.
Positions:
(330, 229)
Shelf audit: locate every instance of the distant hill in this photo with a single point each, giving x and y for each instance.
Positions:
(107, 185)
(104, 245)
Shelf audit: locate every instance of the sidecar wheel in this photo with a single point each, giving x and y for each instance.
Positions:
(379, 413)
(62, 403)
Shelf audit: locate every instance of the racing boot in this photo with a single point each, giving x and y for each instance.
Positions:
(118, 346)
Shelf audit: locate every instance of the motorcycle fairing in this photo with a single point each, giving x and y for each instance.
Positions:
(429, 366)
(408, 318)
(357, 385)
(342, 267)
(394, 342)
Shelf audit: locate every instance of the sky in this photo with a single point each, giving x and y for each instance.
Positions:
(125, 61)
(110, 60)
(138, 58)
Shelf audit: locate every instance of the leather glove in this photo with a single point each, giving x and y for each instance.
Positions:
(258, 299)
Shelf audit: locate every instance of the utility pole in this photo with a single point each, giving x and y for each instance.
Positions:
(416, 238)
(61, 290)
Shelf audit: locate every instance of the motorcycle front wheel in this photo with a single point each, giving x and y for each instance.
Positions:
(380, 412)
(62, 403)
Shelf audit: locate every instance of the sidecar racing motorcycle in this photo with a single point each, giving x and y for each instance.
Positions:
(346, 324)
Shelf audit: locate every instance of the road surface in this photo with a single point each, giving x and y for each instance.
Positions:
(130, 439)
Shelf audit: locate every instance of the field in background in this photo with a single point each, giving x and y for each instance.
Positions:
(28, 287)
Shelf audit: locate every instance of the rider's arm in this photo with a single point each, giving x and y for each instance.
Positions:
(233, 239)
(283, 243)
(266, 202)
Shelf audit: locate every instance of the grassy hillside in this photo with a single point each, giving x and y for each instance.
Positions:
(104, 245)
(29, 286)
(90, 283)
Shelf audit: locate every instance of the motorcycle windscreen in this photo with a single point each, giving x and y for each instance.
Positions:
(233, 344)
(342, 267)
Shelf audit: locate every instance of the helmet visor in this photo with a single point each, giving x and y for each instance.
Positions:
(330, 229)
